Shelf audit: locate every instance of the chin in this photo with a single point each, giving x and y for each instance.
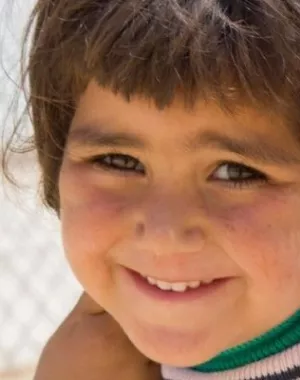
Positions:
(174, 356)
(167, 347)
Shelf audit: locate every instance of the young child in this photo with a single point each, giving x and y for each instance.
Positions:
(168, 137)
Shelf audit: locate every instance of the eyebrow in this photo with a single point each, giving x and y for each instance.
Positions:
(99, 137)
(252, 147)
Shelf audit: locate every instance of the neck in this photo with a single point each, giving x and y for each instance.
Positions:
(273, 355)
(276, 340)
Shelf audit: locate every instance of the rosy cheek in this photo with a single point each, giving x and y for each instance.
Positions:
(262, 236)
(92, 219)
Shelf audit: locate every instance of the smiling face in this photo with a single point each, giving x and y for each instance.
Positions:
(182, 196)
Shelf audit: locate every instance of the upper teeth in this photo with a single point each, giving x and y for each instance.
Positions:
(175, 286)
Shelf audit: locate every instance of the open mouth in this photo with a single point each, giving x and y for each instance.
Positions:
(175, 291)
(179, 287)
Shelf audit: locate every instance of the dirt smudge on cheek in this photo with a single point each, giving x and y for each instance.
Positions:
(261, 236)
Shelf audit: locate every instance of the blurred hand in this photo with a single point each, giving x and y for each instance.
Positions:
(90, 345)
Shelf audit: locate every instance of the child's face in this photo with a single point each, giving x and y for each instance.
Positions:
(180, 213)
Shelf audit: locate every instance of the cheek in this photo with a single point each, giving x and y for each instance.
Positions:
(263, 238)
(92, 223)
(93, 220)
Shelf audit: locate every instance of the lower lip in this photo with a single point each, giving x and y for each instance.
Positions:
(203, 291)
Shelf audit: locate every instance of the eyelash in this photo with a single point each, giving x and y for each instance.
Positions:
(106, 161)
(253, 177)
(133, 166)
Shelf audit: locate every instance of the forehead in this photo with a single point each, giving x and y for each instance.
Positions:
(101, 109)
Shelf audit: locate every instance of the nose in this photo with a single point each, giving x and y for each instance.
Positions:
(170, 221)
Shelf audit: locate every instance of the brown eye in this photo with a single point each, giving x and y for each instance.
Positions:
(119, 162)
(238, 174)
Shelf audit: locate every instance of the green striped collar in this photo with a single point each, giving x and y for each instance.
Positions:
(272, 342)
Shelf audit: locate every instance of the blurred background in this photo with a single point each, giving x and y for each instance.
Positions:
(37, 288)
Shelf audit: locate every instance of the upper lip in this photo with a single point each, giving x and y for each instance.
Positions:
(174, 279)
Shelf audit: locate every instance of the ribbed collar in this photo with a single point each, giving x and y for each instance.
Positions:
(275, 341)
(274, 355)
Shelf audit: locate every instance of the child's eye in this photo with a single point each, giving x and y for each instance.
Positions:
(118, 162)
(238, 175)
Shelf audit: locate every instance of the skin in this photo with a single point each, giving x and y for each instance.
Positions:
(90, 345)
(179, 218)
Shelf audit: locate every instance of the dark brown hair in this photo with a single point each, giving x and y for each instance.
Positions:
(228, 51)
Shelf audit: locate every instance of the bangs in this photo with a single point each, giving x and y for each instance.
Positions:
(227, 51)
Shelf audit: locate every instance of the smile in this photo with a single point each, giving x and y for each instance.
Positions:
(152, 288)
(175, 286)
